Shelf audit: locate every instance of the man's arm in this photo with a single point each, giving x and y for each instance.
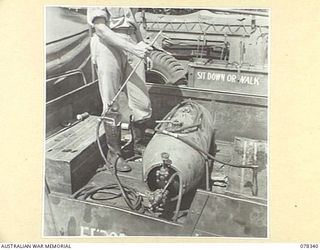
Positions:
(112, 38)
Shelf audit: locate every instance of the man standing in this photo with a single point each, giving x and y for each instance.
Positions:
(116, 47)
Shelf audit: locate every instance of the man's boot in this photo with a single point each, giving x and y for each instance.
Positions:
(138, 133)
(112, 127)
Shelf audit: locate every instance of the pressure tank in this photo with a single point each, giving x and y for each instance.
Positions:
(166, 155)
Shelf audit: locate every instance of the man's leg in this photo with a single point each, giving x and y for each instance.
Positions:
(139, 102)
(138, 96)
(109, 69)
(109, 64)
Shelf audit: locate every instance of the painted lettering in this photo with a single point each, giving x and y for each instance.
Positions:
(91, 231)
(251, 80)
(201, 75)
(216, 77)
(256, 81)
(231, 78)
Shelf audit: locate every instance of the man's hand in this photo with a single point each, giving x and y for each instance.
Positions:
(141, 49)
(110, 37)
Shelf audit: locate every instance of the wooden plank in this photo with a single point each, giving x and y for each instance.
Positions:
(58, 177)
(57, 186)
(72, 142)
(84, 99)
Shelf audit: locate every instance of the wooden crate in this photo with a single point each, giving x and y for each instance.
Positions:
(72, 157)
(249, 152)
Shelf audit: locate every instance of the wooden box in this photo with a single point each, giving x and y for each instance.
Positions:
(249, 152)
(72, 156)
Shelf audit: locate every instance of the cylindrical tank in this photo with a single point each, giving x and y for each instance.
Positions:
(194, 123)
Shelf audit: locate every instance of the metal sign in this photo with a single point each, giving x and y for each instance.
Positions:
(226, 79)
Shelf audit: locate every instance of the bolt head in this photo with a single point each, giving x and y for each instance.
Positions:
(167, 161)
(165, 155)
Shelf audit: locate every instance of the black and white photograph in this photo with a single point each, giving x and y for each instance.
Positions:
(156, 122)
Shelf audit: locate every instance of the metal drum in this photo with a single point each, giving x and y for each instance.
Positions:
(166, 155)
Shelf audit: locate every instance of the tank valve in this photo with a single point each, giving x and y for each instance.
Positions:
(162, 174)
(156, 201)
(165, 158)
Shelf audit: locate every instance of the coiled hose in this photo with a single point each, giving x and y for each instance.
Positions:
(130, 195)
